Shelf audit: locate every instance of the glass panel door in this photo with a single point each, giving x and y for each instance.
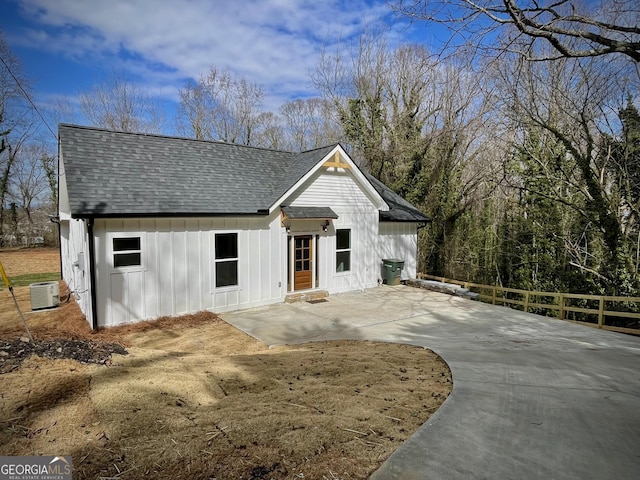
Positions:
(303, 262)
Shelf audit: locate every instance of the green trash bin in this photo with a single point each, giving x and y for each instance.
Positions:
(392, 268)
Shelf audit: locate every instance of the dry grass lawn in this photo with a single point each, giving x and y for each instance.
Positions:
(196, 398)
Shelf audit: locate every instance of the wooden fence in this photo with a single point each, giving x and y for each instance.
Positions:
(598, 307)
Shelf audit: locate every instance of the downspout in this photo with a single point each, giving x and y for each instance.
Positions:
(60, 246)
(56, 220)
(58, 215)
(92, 274)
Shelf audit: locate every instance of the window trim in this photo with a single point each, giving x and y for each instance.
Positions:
(113, 252)
(216, 260)
(344, 250)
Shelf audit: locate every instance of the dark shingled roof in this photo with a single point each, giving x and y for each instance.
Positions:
(115, 174)
(130, 174)
(399, 209)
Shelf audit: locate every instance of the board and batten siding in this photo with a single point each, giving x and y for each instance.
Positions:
(357, 212)
(74, 252)
(399, 240)
(176, 275)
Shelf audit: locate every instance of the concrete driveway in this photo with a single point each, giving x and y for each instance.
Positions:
(532, 397)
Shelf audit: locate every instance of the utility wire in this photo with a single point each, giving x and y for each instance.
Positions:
(24, 92)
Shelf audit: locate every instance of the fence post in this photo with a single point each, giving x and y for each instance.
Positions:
(601, 313)
(561, 309)
(526, 302)
(494, 294)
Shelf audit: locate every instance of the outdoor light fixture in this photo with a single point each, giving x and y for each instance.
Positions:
(325, 227)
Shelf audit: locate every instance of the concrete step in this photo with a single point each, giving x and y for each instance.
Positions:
(313, 296)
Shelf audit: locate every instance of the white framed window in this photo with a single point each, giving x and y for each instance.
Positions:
(343, 250)
(127, 251)
(226, 259)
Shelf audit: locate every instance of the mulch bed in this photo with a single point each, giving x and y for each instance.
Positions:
(14, 352)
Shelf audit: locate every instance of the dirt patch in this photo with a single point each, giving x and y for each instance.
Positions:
(196, 398)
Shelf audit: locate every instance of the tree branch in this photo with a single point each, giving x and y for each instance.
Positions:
(573, 34)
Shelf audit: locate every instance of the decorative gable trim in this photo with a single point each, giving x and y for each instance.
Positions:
(336, 162)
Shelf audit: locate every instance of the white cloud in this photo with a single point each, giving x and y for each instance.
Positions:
(272, 42)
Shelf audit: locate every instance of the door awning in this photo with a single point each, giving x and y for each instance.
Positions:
(309, 213)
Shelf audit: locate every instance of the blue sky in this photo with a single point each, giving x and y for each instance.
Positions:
(66, 46)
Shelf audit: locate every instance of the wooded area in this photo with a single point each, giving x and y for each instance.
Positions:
(519, 136)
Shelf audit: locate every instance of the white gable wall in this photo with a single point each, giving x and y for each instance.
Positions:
(356, 211)
(177, 271)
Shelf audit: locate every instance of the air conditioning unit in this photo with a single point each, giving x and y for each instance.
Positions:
(44, 295)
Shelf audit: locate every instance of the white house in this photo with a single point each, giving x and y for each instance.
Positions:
(154, 225)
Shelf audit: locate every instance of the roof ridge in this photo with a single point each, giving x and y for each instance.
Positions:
(176, 137)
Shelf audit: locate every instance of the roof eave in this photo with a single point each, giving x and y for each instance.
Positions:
(388, 217)
(259, 213)
(404, 220)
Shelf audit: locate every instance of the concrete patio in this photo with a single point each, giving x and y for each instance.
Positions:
(533, 397)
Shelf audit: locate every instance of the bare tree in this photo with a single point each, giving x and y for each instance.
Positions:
(13, 85)
(191, 118)
(9, 156)
(298, 116)
(269, 132)
(220, 107)
(15, 120)
(30, 186)
(573, 28)
(309, 123)
(354, 82)
(49, 163)
(118, 104)
(63, 111)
